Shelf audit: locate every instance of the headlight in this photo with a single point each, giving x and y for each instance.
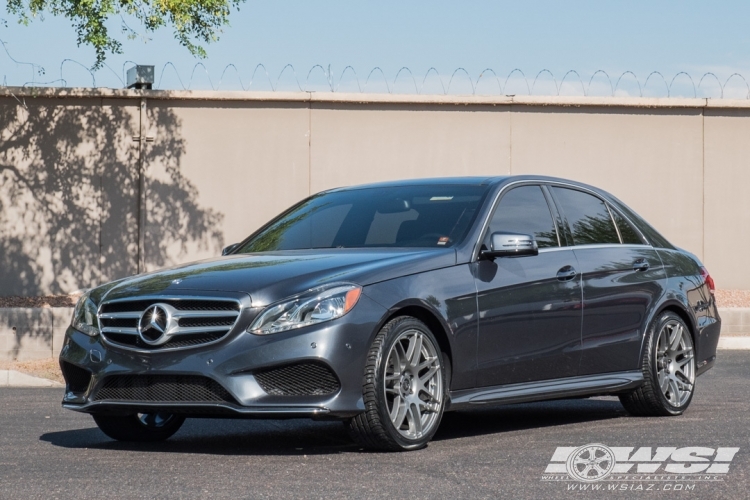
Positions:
(310, 308)
(84, 316)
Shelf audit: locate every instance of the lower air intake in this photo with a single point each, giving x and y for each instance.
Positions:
(77, 378)
(163, 388)
(302, 379)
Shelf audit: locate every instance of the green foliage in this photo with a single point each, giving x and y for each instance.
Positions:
(193, 21)
(271, 238)
(592, 230)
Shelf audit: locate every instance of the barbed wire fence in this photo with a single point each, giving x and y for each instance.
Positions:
(404, 79)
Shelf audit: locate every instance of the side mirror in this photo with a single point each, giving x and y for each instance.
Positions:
(231, 248)
(511, 245)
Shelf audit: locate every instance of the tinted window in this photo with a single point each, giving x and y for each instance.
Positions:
(652, 236)
(627, 232)
(315, 231)
(405, 216)
(524, 210)
(385, 227)
(587, 216)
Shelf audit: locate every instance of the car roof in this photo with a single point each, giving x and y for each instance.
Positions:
(466, 181)
(427, 181)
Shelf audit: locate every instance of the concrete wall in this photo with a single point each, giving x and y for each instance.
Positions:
(32, 333)
(98, 184)
(727, 196)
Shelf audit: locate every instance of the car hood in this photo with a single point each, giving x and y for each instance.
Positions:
(271, 276)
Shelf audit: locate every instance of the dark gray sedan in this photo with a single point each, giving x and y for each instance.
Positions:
(386, 305)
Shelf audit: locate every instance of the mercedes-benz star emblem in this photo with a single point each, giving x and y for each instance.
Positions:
(154, 324)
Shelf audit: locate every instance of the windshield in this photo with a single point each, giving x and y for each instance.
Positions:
(405, 216)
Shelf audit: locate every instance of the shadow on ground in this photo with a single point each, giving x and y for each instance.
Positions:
(509, 418)
(307, 437)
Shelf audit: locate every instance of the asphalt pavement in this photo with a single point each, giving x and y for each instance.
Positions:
(499, 452)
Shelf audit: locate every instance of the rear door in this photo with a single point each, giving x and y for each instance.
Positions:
(622, 279)
(529, 307)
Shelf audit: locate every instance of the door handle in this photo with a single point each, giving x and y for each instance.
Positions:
(640, 265)
(566, 273)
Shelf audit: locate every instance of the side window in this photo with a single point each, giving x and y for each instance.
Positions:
(525, 210)
(627, 233)
(587, 216)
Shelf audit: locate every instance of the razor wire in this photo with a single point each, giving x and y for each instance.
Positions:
(405, 81)
(445, 82)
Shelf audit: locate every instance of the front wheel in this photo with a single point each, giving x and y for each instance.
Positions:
(142, 427)
(404, 388)
(668, 366)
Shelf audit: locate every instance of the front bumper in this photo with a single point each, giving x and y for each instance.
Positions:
(340, 345)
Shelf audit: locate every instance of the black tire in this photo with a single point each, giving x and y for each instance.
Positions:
(150, 427)
(374, 429)
(649, 400)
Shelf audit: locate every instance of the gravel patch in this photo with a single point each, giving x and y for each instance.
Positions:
(44, 301)
(733, 298)
(45, 368)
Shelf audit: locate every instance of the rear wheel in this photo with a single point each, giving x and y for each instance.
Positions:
(668, 366)
(404, 388)
(143, 427)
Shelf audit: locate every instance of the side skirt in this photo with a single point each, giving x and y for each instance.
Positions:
(588, 385)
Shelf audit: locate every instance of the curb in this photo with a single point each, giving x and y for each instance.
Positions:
(736, 343)
(13, 378)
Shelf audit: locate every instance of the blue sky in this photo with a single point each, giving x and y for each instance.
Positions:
(585, 36)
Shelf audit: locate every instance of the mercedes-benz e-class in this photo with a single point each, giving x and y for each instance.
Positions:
(386, 305)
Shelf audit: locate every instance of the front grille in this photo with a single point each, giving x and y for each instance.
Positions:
(192, 322)
(121, 322)
(196, 321)
(128, 340)
(162, 388)
(301, 379)
(77, 378)
(180, 304)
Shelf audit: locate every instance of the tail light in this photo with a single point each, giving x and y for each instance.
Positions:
(708, 280)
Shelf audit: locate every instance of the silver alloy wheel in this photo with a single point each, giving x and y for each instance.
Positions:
(413, 384)
(675, 363)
